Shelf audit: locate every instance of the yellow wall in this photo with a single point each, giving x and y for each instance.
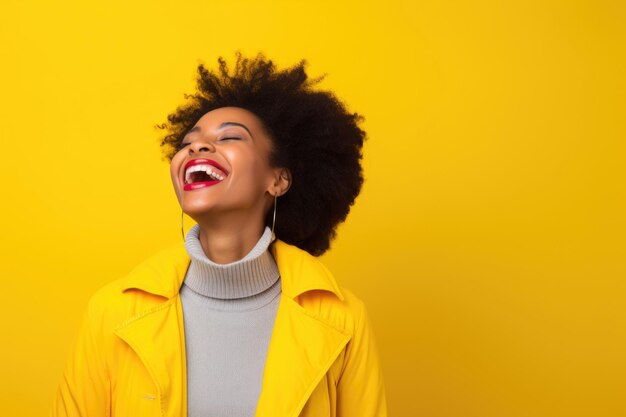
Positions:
(488, 241)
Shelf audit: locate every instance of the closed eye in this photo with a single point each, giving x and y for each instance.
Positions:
(182, 144)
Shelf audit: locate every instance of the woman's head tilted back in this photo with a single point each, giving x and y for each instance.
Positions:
(312, 136)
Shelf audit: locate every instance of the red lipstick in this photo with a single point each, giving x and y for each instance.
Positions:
(202, 161)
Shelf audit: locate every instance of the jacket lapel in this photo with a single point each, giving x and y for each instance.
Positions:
(157, 333)
(155, 337)
(302, 348)
(301, 351)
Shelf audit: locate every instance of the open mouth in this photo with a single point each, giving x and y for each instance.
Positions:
(201, 173)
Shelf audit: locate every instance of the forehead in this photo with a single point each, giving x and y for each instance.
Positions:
(214, 120)
(230, 114)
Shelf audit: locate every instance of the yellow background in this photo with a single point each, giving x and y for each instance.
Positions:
(488, 242)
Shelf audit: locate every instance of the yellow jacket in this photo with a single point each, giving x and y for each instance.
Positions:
(128, 359)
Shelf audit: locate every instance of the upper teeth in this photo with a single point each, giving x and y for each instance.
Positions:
(205, 168)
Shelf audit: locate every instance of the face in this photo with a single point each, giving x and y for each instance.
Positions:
(222, 165)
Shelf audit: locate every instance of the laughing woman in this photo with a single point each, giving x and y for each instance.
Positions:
(241, 319)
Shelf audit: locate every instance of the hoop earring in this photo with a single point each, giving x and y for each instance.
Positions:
(274, 219)
(182, 229)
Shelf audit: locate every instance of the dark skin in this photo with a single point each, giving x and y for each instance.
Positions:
(230, 213)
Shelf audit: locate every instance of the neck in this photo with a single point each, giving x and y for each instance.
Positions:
(251, 275)
(226, 245)
(228, 235)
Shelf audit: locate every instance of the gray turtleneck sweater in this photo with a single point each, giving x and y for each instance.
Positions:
(229, 312)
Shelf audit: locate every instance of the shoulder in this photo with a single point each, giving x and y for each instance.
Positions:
(126, 296)
(346, 314)
(315, 288)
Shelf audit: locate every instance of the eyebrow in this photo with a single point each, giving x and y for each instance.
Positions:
(223, 125)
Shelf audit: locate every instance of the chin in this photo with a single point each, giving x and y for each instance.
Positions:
(199, 209)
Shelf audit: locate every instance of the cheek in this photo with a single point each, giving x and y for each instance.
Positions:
(248, 166)
(174, 171)
(258, 172)
(175, 165)
(173, 174)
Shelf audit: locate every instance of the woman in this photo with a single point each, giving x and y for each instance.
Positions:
(242, 319)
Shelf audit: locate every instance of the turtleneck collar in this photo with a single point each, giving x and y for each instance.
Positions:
(251, 275)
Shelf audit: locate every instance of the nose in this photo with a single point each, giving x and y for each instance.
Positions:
(202, 146)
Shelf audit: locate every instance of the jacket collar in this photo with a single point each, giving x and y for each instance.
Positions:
(302, 348)
(163, 274)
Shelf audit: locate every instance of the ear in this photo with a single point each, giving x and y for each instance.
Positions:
(282, 181)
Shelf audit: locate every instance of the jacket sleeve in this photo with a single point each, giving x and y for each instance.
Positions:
(360, 388)
(84, 388)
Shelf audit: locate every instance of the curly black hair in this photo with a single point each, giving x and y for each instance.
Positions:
(313, 135)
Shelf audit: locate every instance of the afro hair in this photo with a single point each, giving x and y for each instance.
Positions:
(313, 135)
